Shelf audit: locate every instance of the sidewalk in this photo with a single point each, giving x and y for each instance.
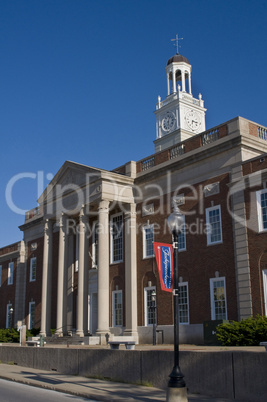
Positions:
(90, 388)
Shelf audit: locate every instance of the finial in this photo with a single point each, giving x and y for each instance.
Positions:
(177, 42)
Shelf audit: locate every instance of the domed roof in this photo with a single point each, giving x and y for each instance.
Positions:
(178, 58)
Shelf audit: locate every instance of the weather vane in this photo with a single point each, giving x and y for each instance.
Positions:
(177, 42)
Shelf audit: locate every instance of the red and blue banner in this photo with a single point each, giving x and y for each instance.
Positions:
(164, 257)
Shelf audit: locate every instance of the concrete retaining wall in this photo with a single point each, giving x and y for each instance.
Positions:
(237, 375)
(190, 334)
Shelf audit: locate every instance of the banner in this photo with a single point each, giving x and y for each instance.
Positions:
(164, 257)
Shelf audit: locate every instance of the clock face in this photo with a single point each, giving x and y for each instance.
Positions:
(168, 121)
(193, 120)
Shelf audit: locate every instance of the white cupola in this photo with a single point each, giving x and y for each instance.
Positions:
(179, 116)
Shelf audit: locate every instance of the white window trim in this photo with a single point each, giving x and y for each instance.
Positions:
(212, 305)
(29, 322)
(147, 226)
(209, 242)
(113, 308)
(10, 278)
(184, 248)
(31, 264)
(259, 210)
(111, 239)
(188, 322)
(145, 305)
(0, 276)
(8, 307)
(264, 278)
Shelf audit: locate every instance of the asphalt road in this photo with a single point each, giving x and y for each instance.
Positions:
(11, 391)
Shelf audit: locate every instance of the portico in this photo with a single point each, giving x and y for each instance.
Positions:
(92, 197)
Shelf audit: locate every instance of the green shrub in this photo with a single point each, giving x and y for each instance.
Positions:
(9, 335)
(249, 332)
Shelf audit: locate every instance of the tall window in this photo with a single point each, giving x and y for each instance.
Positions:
(262, 209)
(33, 269)
(218, 299)
(0, 275)
(10, 273)
(214, 225)
(31, 315)
(95, 245)
(148, 239)
(117, 308)
(181, 237)
(150, 311)
(183, 303)
(9, 316)
(116, 238)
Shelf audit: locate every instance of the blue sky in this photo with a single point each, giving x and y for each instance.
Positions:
(79, 80)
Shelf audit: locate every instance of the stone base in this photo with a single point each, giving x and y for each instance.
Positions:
(177, 395)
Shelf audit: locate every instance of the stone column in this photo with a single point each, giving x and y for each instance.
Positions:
(103, 270)
(130, 272)
(189, 84)
(168, 84)
(61, 275)
(46, 280)
(82, 273)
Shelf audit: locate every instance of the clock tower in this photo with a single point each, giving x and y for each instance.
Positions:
(179, 116)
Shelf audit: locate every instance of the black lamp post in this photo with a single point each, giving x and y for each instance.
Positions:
(154, 309)
(176, 385)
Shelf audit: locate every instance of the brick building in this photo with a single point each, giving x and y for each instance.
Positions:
(86, 263)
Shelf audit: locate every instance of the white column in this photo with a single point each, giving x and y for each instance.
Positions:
(168, 84)
(61, 275)
(103, 270)
(130, 272)
(189, 83)
(174, 80)
(46, 280)
(82, 270)
(183, 81)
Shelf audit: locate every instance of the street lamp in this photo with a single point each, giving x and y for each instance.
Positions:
(154, 309)
(11, 316)
(176, 386)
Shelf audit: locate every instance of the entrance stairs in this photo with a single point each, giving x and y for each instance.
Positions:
(72, 340)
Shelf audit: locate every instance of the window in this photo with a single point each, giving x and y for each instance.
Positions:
(31, 315)
(149, 307)
(10, 273)
(116, 226)
(214, 226)
(9, 315)
(117, 308)
(0, 275)
(218, 299)
(33, 269)
(148, 239)
(181, 238)
(264, 275)
(95, 246)
(262, 209)
(183, 303)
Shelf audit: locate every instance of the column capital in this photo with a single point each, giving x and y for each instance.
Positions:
(103, 206)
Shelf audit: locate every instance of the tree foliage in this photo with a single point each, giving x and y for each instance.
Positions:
(248, 332)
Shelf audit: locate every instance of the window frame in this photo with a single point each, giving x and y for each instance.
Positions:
(32, 260)
(115, 310)
(212, 301)
(259, 210)
(146, 307)
(112, 260)
(264, 280)
(187, 304)
(209, 233)
(145, 253)
(95, 240)
(32, 303)
(10, 273)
